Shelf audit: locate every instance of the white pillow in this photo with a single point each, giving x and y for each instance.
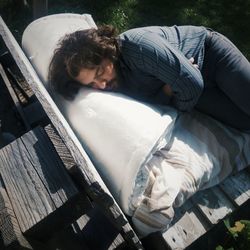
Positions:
(120, 134)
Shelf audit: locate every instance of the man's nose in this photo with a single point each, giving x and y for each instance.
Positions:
(101, 84)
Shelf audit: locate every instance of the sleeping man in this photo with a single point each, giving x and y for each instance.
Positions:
(186, 67)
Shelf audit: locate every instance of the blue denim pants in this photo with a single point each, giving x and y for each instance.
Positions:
(226, 74)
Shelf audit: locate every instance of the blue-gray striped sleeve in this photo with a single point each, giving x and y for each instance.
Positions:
(159, 58)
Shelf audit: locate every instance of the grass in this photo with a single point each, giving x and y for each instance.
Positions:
(230, 17)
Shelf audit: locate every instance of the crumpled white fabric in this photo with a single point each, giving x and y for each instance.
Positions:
(202, 154)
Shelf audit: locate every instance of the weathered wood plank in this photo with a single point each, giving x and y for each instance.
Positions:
(25, 92)
(213, 204)
(85, 171)
(11, 235)
(31, 202)
(60, 147)
(48, 166)
(237, 187)
(188, 226)
(43, 196)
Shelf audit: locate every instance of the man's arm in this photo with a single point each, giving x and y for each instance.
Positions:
(167, 89)
(184, 82)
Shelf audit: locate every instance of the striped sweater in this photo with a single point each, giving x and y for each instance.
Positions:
(153, 56)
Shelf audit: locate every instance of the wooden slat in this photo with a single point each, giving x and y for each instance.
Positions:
(48, 166)
(186, 227)
(11, 235)
(59, 146)
(87, 174)
(24, 92)
(237, 187)
(214, 204)
(43, 196)
(29, 204)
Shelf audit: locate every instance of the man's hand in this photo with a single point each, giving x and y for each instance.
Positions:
(167, 90)
(192, 61)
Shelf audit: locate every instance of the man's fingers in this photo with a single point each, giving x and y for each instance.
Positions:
(191, 59)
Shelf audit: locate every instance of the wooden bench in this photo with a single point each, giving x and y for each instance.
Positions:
(194, 219)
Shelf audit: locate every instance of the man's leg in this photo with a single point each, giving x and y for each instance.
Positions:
(216, 104)
(227, 98)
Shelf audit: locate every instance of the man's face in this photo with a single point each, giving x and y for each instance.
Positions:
(101, 77)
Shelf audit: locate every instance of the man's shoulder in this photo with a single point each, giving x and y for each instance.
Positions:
(138, 36)
(132, 34)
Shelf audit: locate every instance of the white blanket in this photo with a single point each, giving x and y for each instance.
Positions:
(203, 153)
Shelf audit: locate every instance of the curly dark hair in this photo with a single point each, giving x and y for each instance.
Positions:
(77, 50)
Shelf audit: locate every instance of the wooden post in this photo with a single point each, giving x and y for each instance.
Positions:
(40, 8)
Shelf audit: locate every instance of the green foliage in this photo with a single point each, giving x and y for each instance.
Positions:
(238, 236)
(17, 14)
(230, 17)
